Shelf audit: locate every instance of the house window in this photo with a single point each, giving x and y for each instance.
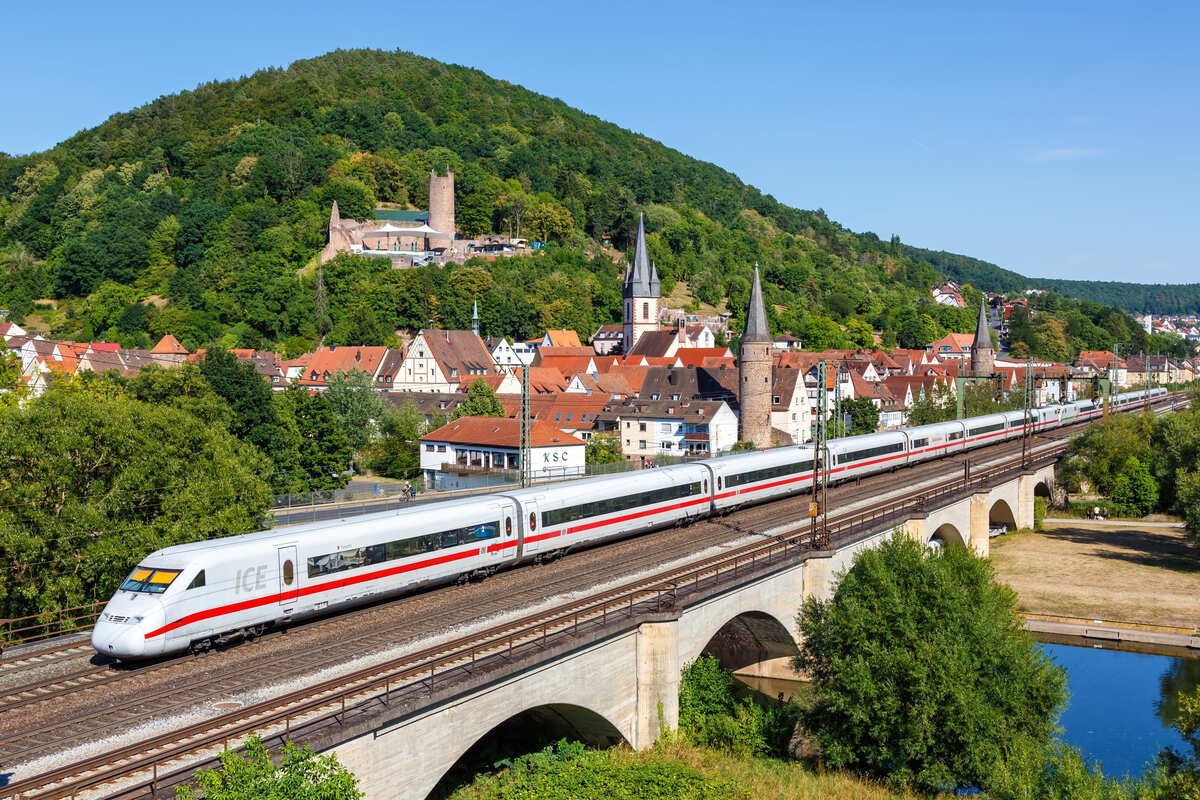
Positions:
(775, 399)
(642, 444)
(645, 311)
(428, 448)
(642, 427)
(441, 448)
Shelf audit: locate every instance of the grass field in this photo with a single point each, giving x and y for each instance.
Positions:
(1102, 571)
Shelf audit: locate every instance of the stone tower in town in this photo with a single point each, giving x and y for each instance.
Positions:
(983, 356)
(754, 373)
(640, 292)
(441, 202)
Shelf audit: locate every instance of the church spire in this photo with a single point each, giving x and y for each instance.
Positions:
(983, 339)
(475, 317)
(642, 279)
(983, 355)
(756, 329)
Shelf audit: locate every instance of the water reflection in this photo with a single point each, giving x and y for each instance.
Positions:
(1182, 677)
(1122, 703)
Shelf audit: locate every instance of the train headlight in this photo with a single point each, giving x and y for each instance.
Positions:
(136, 620)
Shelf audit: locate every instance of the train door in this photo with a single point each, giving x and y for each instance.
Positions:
(289, 578)
(530, 527)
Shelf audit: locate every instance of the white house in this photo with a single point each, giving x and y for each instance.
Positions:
(438, 361)
(502, 352)
(472, 451)
(649, 428)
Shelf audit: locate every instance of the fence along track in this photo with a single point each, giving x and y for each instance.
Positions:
(331, 700)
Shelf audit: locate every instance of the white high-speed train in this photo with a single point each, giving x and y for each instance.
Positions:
(205, 593)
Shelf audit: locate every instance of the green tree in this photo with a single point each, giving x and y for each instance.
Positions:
(917, 330)
(603, 448)
(864, 416)
(1182, 778)
(922, 671)
(183, 387)
(1134, 488)
(12, 388)
(320, 453)
(301, 775)
(481, 402)
(712, 714)
(255, 416)
(356, 404)
(93, 482)
(397, 451)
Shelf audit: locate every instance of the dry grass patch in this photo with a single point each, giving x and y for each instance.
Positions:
(1100, 571)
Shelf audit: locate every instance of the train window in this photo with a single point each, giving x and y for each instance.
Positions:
(150, 580)
(986, 429)
(558, 516)
(954, 437)
(706, 485)
(767, 473)
(719, 481)
(197, 581)
(920, 442)
(289, 573)
(862, 455)
(355, 557)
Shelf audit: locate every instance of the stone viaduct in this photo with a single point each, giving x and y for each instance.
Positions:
(623, 686)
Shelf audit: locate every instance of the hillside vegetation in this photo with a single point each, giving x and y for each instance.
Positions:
(1136, 298)
(200, 215)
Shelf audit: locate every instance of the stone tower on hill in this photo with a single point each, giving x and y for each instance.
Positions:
(754, 373)
(983, 355)
(641, 293)
(441, 202)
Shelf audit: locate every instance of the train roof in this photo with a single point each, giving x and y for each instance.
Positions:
(291, 532)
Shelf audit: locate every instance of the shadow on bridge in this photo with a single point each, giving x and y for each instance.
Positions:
(527, 732)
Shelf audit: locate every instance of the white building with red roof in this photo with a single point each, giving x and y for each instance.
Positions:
(474, 451)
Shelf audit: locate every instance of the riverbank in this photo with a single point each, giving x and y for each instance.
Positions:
(669, 771)
(1145, 573)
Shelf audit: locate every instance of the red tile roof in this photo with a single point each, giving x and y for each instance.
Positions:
(168, 345)
(499, 432)
(694, 356)
(328, 361)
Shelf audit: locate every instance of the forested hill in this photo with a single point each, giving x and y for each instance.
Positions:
(1136, 298)
(200, 215)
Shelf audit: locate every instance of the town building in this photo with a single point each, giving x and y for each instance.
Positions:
(438, 361)
(754, 372)
(650, 428)
(640, 293)
(477, 451)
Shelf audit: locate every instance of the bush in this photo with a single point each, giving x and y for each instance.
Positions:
(712, 715)
(568, 771)
(1039, 513)
(922, 671)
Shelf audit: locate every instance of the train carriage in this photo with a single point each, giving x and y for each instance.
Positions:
(747, 478)
(935, 440)
(575, 513)
(868, 454)
(987, 429)
(207, 592)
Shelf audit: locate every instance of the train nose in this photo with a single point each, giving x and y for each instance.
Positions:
(119, 641)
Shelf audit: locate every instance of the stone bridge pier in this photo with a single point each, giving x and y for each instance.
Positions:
(623, 686)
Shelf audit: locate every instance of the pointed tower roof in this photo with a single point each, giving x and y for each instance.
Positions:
(756, 315)
(641, 280)
(983, 339)
(475, 309)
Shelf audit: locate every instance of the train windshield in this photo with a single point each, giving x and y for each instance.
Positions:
(148, 579)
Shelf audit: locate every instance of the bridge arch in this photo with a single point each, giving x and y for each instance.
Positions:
(1001, 513)
(526, 732)
(947, 535)
(753, 643)
(1042, 489)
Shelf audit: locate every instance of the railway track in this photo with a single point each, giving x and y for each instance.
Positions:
(33, 743)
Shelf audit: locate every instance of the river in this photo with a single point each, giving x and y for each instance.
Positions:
(1122, 703)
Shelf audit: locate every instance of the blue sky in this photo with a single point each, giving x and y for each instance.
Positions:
(1056, 139)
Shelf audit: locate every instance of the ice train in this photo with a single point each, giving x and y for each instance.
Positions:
(196, 595)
